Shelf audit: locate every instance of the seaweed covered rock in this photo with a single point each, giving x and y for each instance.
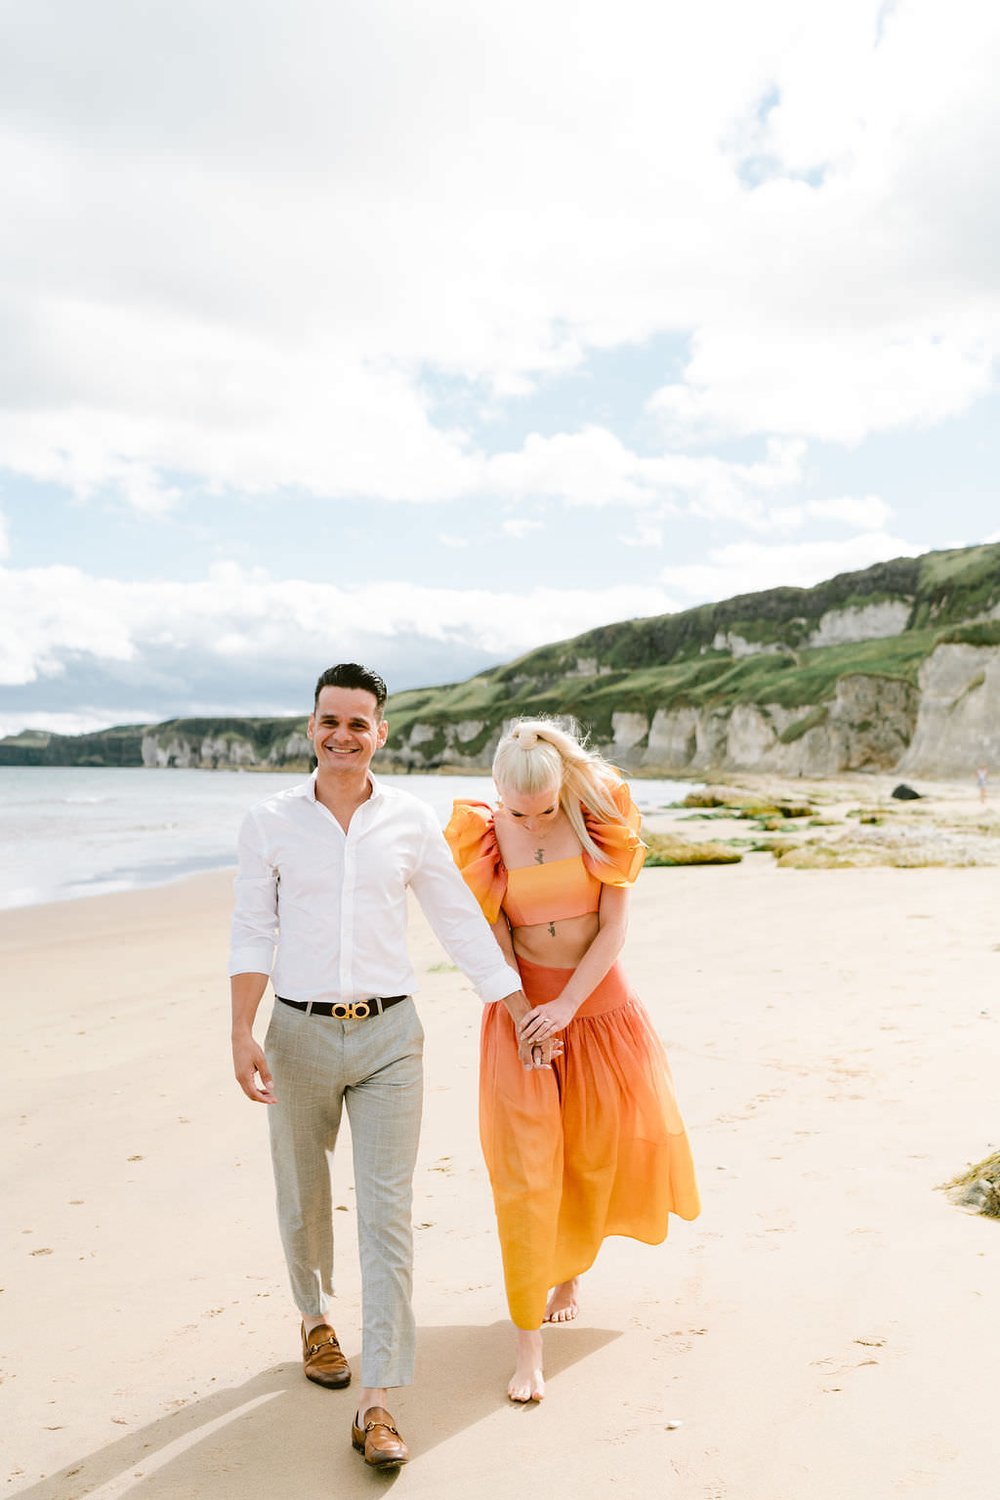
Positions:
(816, 856)
(747, 804)
(978, 1188)
(715, 796)
(669, 849)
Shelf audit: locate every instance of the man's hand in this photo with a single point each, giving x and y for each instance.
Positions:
(540, 1054)
(249, 1064)
(533, 1054)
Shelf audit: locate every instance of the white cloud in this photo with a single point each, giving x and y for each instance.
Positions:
(249, 289)
(746, 567)
(646, 534)
(594, 468)
(866, 512)
(4, 538)
(837, 387)
(48, 614)
(317, 423)
(448, 539)
(993, 537)
(520, 528)
(238, 623)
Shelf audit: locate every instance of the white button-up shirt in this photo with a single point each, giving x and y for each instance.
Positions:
(324, 912)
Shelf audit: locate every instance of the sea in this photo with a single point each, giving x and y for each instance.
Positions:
(72, 831)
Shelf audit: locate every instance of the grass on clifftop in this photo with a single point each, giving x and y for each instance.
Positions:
(790, 680)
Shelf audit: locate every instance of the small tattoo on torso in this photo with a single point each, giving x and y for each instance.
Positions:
(539, 856)
(552, 929)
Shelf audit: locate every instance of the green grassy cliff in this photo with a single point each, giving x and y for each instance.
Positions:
(845, 675)
(755, 648)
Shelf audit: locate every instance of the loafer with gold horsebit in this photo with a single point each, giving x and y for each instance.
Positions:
(322, 1358)
(378, 1439)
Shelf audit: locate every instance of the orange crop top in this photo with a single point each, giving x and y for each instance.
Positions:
(565, 888)
(551, 893)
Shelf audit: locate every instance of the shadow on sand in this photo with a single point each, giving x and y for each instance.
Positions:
(277, 1434)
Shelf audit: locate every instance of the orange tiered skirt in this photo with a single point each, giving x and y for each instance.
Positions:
(596, 1146)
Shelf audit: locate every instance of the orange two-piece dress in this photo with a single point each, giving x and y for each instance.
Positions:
(596, 1145)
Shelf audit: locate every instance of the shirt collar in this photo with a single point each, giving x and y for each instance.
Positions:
(309, 788)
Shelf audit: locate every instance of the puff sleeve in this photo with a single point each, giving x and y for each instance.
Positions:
(618, 840)
(473, 842)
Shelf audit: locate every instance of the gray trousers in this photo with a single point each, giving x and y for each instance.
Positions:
(375, 1066)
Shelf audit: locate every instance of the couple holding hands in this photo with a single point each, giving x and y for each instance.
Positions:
(578, 1118)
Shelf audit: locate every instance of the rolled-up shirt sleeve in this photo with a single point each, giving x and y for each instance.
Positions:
(255, 916)
(458, 923)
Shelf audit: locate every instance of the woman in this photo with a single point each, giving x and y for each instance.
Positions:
(593, 1144)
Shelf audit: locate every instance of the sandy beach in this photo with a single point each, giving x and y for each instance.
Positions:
(826, 1329)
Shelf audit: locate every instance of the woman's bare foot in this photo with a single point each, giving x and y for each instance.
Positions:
(562, 1304)
(527, 1382)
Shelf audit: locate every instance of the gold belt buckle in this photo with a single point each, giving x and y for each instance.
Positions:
(356, 1010)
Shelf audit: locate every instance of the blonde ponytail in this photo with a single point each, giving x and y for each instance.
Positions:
(535, 754)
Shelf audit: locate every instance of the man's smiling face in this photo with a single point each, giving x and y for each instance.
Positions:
(346, 730)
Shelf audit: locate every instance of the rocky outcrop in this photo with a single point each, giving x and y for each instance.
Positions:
(738, 646)
(190, 752)
(865, 622)
(958, 723)
(837, 627)
(242, 745)
(467, 744)
(866, 727)
(942, 727)
(587, 666)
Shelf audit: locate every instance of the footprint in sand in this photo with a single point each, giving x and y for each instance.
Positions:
(840, 1366)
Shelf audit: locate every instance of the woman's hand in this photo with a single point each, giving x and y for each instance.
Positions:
(542, 1023)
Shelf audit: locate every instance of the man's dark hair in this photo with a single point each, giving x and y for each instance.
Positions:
(350, 674)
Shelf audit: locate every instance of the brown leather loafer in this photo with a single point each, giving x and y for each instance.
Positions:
(322, 1358)
(378, 1439)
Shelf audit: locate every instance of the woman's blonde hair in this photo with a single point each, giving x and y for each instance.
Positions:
(535, 754)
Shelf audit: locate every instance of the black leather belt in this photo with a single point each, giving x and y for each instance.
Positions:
(347, 1010)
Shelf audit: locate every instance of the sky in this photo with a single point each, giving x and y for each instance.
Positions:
(424, 335)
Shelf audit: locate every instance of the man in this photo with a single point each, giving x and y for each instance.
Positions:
(323, 875)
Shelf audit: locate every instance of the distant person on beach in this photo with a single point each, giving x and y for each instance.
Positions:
(982, 781)
(594, 1145)
(321, 908)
